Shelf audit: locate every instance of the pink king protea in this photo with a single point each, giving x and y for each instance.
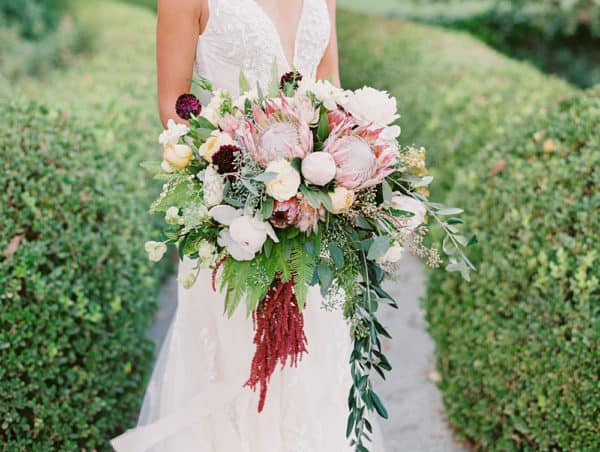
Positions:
(277, 132)
(363, 156)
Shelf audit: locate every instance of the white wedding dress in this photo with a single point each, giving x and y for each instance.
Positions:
(196, 400)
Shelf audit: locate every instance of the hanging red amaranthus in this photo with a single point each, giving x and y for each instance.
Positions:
(279, 335)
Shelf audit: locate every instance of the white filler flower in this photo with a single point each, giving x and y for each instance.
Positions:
(213, 187)
(173, 133)
(155, 250)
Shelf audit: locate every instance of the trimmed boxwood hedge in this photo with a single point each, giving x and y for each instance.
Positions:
(76, 290)
(78, 293)
(518, 349)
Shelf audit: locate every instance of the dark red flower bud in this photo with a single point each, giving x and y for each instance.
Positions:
(226, 159)
(290, 78)
(188, 105)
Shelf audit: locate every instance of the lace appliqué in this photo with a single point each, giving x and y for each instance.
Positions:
(240, 36)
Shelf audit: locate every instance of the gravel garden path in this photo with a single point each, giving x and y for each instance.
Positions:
(416, 413)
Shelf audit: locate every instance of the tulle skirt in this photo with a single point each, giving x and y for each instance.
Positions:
(196, 400)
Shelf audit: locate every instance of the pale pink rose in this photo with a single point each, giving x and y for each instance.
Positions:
(318, 168)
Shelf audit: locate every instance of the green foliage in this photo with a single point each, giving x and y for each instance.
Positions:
(78, 294)
(519, 347)
(59, 49)
(33, 18)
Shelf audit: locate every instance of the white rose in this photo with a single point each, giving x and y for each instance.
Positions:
(155, 250)
(173, 133)
(410, 204)
(319, 168)
(172, 215)
(187, 281)
(245, 237)
(325, 92)
(371, 105)
(214, 143)
(213, 187)
(286, 184)
(392, 255)
(342, 199)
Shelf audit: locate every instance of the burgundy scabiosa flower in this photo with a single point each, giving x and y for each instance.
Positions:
(226, 159)
(188, 105)
(292, 78)
(284, 213)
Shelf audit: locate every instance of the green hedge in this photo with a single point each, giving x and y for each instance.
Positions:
(77, 295)
(454, 93)
(518, 348)
(33, 18)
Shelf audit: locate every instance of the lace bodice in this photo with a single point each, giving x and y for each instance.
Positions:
(240, 35)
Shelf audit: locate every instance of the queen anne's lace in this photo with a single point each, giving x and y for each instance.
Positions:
(240, 35)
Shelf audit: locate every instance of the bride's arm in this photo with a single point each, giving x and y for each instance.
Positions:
(177, 34)
(329, 67)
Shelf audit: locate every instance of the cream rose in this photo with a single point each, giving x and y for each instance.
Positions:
(285, 184)
(155, 250)
(177, 156)
(319, 168)
(342, 199)
(213, 144)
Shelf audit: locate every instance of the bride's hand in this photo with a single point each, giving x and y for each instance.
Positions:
(180, 23)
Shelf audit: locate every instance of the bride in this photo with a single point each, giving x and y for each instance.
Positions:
(196, 400)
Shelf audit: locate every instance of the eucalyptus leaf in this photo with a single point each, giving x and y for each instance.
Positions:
(336, 254)
(387, 191)
(378, 248)
(265, 177)
(251, 188)
(450, 211)
(267, 208)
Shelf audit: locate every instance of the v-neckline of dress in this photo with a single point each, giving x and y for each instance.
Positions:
(291, 64)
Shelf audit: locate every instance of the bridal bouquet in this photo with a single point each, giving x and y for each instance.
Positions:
(299, 185)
